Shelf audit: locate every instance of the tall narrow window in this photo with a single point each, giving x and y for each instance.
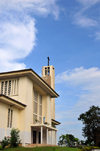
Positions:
(10, 118)
(35, 107)
(47, 71)
(9, 87)
(8, 123)
(6, 83)
(40, 109)
(35, 102)
(2, 87)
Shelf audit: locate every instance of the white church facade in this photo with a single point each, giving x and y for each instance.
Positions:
(27, 102)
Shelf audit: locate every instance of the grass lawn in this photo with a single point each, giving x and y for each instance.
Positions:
(42, 149)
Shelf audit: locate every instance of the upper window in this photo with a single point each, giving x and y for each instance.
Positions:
(35, 102)
(47, 71)
(9, 87)
(37, 108)
(40, 108)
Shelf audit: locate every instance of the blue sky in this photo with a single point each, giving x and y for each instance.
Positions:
(69, 33)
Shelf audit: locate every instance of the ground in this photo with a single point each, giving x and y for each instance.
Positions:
(42, 149)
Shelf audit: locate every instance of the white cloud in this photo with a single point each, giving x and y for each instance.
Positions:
(11, 65)
(16, 41)
(18, 31)
(42, 7)
(83, 16)
(87, 83)
(79, 76)
(97, 35)
(84, 21)
(88, 2)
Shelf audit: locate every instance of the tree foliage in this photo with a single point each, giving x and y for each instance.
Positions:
(91, 121)
(68, 140)
(15, 139)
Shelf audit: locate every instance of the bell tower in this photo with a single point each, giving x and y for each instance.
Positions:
(48, 75)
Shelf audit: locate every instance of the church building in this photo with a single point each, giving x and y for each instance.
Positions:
(27, 102)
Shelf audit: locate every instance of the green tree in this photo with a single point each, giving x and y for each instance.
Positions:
(71, 140)
(15, 139)
(62, 140)
(91, 121)
(68, 140)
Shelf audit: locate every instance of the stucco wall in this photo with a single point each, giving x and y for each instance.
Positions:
(23, 119)
(4, 130)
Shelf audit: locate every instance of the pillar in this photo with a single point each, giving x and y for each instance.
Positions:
(37, 136)
(47, 136)
(41, 134)
(51, 137)
(55, 137)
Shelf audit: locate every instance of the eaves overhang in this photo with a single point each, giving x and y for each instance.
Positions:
(43, 125)
(33, 76)
(55, 122)
(11, 102)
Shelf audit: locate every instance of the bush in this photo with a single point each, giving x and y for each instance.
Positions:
(15, 139)
(5, 142)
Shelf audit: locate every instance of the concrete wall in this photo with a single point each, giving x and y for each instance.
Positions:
(23, 119)
(4, 130)
(50, 79)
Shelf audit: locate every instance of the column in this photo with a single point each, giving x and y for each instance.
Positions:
(51, 137)
(55, 137)
(37, 136)
(47, 136)
(41, 134)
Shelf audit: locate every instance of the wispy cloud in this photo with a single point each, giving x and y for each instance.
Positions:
(97, 35)
(42, 7)
(87, 84)
(18, 29)
(82, 16)
(79, 76)
(84, 21)
(88, 3)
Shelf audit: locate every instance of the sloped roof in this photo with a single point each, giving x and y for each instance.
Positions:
(12, 102)
(34, 76)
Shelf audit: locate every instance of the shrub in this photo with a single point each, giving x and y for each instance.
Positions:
(5, 142)
(15, 139)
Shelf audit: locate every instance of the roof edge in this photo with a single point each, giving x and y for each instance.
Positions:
(56, 122)
(24, 105)
(25, 70)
